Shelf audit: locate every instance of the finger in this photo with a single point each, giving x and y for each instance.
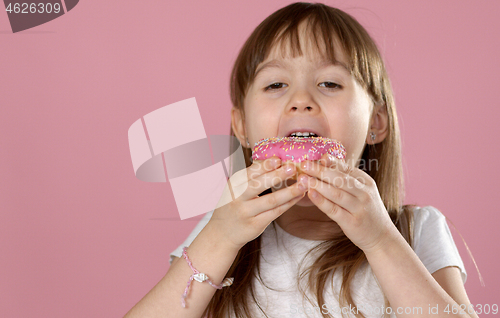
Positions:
(335, 177)
(335, 194)
(334, 163)
(327, 159)
(263, 182)
(286, 196)
(279, 197)
(240, 179)
(332, 210)
(259, 167)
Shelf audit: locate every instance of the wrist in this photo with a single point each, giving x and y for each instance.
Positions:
(389, 241)
(200, 277)
(214, 234)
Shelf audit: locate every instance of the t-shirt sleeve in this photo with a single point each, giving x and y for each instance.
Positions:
(197, 229)
(433, 242)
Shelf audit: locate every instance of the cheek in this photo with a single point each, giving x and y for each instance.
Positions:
(262, 119)
(354, 127)
(358, 118)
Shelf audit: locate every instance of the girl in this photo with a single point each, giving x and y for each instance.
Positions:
(337, 242)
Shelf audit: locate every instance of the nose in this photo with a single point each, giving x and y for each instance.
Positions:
(302, 102)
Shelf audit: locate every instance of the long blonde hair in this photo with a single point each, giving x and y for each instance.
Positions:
(366, 65)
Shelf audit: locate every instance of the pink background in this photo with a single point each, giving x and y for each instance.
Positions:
(80, 236)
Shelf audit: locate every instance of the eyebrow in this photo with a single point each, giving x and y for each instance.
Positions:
(322, 64)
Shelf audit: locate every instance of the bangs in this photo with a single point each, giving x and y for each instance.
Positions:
(324, 30)
(320, 38)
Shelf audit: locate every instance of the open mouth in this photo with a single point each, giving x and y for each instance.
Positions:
(303, 134)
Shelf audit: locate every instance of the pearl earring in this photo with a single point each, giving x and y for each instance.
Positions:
(248, 144)
(372, 136)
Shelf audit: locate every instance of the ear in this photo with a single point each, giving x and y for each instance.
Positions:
(238, 126)
(379, 125)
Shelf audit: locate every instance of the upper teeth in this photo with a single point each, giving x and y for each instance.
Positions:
(303, 134)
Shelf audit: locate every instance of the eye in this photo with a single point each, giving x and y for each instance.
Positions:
(330, 85)
(275, 86)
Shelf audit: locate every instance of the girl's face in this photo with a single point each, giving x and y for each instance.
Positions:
(308, 94)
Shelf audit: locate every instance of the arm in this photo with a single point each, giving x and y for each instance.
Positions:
(215, 248)
(209, 254)
(355, 204)
(407, 283)
(450, 280)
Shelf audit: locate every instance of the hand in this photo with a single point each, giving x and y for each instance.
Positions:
(350, 197)
(248, 215)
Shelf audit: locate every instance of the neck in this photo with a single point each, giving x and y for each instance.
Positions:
(308, 222)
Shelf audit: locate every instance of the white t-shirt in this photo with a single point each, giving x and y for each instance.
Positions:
(433, 244)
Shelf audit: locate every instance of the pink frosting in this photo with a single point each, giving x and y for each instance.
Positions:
(297, 149)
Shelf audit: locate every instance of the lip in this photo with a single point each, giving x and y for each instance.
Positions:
(304, 130)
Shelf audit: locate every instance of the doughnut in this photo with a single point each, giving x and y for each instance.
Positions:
(297, 149)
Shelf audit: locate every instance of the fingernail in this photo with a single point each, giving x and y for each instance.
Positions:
(289, 169)
(303, 181)
(276, 162)
(305, 165)
(331, 159)
(302, 187)
(313, 194)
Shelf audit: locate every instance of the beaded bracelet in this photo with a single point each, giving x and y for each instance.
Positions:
(200, 277)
